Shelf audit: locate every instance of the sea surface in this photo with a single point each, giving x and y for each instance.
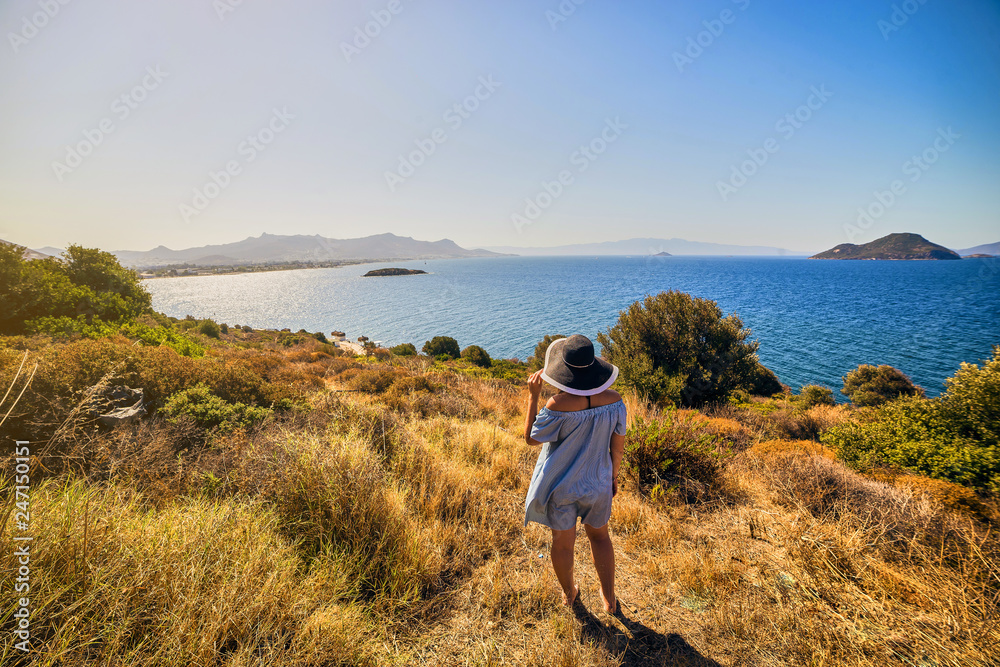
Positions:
(815, 319)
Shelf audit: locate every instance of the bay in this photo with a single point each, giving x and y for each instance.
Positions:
(815, 320)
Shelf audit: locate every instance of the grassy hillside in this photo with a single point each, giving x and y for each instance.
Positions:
(369, 512)
(893, 246)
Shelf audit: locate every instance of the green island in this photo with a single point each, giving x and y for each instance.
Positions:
(393, 272)
(894, 246)
(273, 499)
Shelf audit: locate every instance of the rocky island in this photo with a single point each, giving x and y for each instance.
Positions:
(893, 246)
(393, 272)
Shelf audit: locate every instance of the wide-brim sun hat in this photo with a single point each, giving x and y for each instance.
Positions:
(570, 365)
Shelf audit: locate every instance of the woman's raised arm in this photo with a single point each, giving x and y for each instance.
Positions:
(534, 391)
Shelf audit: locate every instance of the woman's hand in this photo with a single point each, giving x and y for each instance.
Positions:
(535, 384)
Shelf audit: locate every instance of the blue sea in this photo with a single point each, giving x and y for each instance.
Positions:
(815, 319)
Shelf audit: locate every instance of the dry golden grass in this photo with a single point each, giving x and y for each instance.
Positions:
(385, 528)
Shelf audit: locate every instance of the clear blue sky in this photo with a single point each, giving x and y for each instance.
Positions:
(680, 129)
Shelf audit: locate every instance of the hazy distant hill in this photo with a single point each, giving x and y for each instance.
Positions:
(49, 250)
(28, 253)
(648, 246)
(893, 246)
(270, 248)
(985, 249)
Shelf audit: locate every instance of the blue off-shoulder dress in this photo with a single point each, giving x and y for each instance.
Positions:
(573, 475)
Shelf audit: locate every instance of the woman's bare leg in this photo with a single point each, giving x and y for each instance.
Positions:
(563, 542)
(604, 562)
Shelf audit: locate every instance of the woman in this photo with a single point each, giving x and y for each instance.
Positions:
(582, 433)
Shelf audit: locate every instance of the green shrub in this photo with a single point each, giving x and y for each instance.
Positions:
(211, 411)
(320, 336)
(209, 328)
(477, 355)
(507, 369)
(672, 450)
(868, 385)
(59, 327)
(85, 282)
(955, 437)
(813, 394)
(224, 328)
(672, 348)
(404, 350)
(537, 360)
(442, 346)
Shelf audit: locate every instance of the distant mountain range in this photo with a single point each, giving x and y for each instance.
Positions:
(648, 246)
(985, 249)
(893, 246)
(270, 249)
(277, 249)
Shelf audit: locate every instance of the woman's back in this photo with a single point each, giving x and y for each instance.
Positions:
(564, 402)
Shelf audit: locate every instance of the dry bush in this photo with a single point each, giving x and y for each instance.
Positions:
(341, 364)
(779, 447)
(682, 453)
(194, 582)
(370, 380)
(897, 523)
(953, 496)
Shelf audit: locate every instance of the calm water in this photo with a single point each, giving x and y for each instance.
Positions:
(815, 320)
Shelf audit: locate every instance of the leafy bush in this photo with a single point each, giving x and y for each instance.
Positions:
(163, 336)
(672, 348)
(672, 451)
(211, 411)
(59, 327)
(381, 354)
(442, 345)
(537, 360)
(224, 328)
(955, 437)
(85, 282)
(812, 395)
(404, 350)
(478, 356)
(209, 328)
(868, 385)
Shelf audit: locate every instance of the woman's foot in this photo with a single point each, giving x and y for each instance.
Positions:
(568, 600)
(609, 606)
